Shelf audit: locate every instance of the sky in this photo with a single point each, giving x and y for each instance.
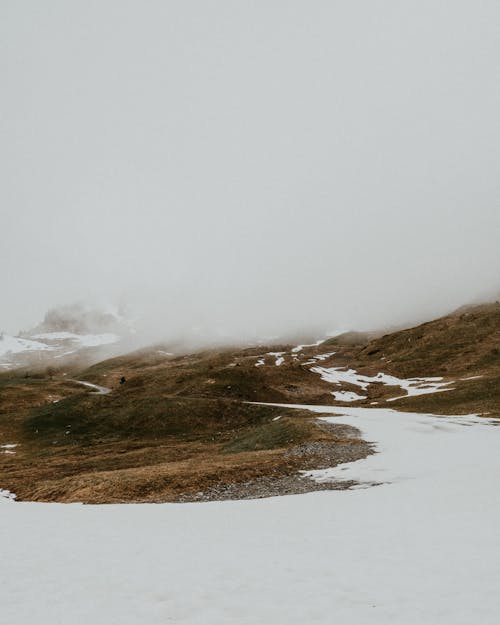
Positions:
(245, 169)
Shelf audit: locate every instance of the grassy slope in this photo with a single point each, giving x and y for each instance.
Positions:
(139, 443)
(178, 425)
(459, 346)
(456, 347)
(467, 342)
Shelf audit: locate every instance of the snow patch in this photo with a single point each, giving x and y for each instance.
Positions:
(100, 390)
(319, 358)
(412, 386)
(85, 340)
(73, 351)
(14, 345)
(6, 495)
(279, 357)
(347, 396)
(299, 348)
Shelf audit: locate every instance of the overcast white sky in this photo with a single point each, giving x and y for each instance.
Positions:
(249, 167)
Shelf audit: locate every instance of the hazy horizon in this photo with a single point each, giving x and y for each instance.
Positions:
(249, 169)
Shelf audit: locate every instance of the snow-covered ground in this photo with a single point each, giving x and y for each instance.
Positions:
(299, 348)
(8, 449)
(412, 386)
(319, 357)
(85, 340)
(420, 549)
(347, 396)
(14, 349)
(15, 345)
(279, 360)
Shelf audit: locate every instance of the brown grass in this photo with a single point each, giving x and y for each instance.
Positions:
(139, 443)
(179, 425)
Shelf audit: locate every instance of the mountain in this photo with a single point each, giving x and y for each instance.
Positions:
(70, 334)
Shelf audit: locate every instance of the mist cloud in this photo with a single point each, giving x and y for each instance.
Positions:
(249, 168)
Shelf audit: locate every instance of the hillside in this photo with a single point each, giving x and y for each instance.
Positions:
(180, 427)
(460, 351)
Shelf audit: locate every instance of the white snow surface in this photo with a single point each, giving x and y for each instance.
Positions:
(85, 340)
(347, 396)
(8, 449)
(408, 445)
(314, 359)
(10, 345)
(299, 348)
(14, 345)
(99, 390)
(412, 386)
(420, 549)
(279, 360)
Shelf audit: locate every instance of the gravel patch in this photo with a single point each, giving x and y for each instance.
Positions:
(265, 487)
(314, 455)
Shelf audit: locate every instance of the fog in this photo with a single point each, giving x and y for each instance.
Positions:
(249, 169)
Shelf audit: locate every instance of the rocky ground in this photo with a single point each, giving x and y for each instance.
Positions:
(315, 455)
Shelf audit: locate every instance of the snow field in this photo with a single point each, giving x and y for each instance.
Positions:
(14, 345)
(420, 549)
